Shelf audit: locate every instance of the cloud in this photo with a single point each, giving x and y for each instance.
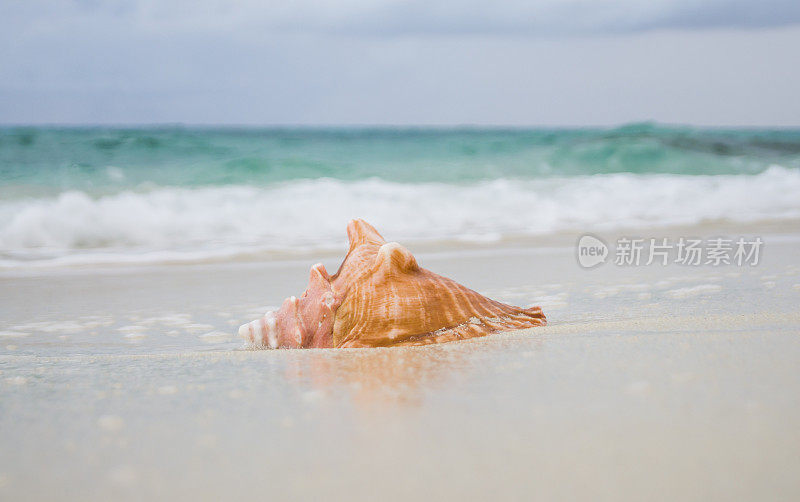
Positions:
(404, 17)
(386, 61)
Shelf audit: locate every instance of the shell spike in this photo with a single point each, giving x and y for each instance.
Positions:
(360, 232)
(318, 274)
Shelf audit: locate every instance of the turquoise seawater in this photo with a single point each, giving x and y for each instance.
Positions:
(105, 159)
(73, 194)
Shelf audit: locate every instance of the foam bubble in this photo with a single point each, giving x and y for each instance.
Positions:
(700, 289)
(215, 337)
(110, 423)
(13, 334)
(17, 380)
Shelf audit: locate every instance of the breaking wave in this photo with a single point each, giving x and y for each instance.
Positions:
(184, 223)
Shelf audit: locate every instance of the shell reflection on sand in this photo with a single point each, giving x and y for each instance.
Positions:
(375, 378)
(385, 380)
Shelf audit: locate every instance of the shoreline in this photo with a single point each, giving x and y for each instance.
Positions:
(556, 242)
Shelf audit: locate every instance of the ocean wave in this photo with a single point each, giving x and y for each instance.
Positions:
(177, 224)
(38, 161)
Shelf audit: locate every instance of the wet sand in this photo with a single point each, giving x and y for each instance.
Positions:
(656, 383)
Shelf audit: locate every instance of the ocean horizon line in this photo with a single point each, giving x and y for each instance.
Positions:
(311, 126)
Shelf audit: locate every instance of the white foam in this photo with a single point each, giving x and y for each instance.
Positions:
(13, 334)
(62, 327)
(131, 329)
(110, 423)
(700, 289)
(177, 224)
(215, 337)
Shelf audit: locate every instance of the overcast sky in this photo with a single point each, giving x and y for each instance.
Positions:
(426, 62)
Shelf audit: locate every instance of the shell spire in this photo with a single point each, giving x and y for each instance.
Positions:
(381, 297)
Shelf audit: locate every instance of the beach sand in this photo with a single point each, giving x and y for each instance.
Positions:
(650, 383)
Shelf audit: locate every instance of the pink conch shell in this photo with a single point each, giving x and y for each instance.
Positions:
(380, 297)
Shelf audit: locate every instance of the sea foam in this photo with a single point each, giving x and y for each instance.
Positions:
(176, 224)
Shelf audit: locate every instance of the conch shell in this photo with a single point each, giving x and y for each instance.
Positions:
(380, 297)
